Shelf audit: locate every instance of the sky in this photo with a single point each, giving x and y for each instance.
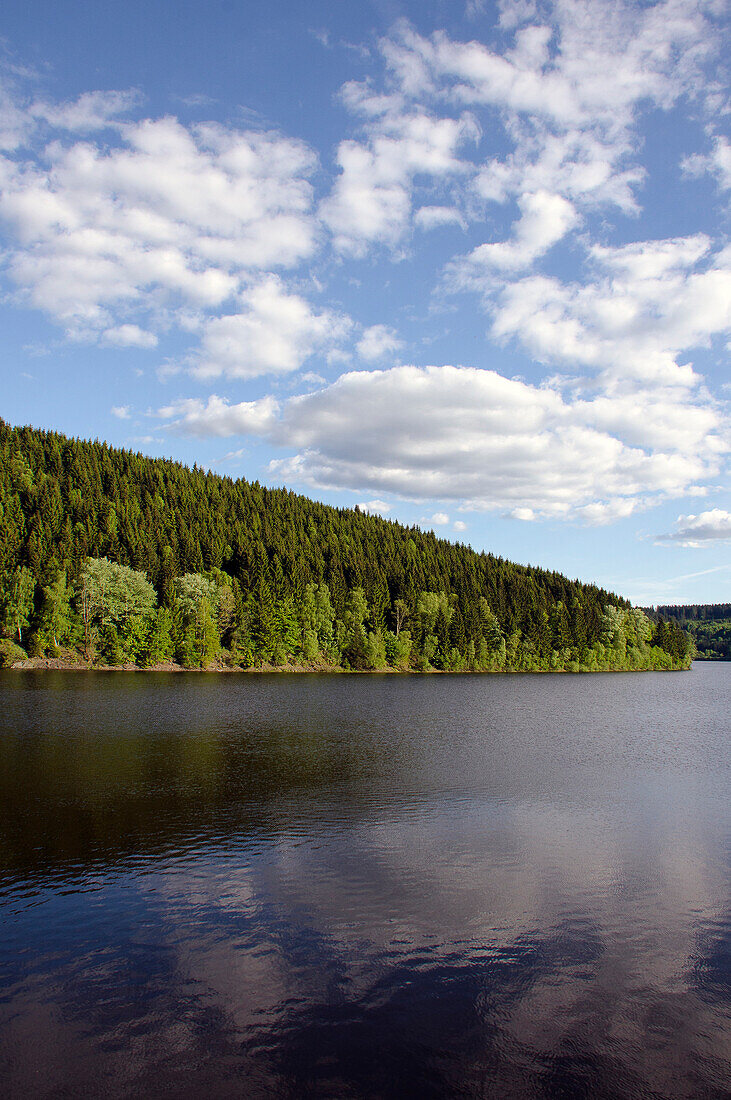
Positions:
(462, 264)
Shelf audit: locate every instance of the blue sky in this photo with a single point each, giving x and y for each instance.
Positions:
(465, 265)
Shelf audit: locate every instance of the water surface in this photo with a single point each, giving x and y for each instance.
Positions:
(365, 886)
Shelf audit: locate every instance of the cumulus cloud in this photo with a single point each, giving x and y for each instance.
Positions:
(649, 302)
(459, 525)
(122, 412)
(129, 336)
(703, 529)
(170, 217)
(512, 12)
(432, 217)
(124, 230)
(371, 200)
(544, 220)
(377, 507)
(217, 417)
(478, 438)
(569, 91)
(463, 434)
(377, 341)
(91, 111)
(588, 62)
(585, 169)
(717, 163)
(275, 332)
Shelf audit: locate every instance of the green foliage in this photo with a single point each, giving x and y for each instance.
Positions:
(57, 623)
(10, 653)
(712, 639)
(159, 645)
(203, 605)
(17, 603)
(92, 536)
(353, 646)
(709, 626)
(288, 632)
(397, 649)
(375, 650)
(116, 605)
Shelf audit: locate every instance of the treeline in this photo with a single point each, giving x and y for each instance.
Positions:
(694, 612)
(132, 559)
(709, 625)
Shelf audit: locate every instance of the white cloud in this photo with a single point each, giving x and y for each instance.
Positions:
(16, 124)
(568, 94)
(129, 336)
(22, 117)
(480, 439)
(717, 163)
(591, 61)
(170, 218)
(377, 507)
(275, 333)
(439, 519)
(700, 530)
(122, 412)
(371, 200)
(432, 217)
(377, 341)
(459, 525)
(650, 302)
(312, 378)
(232, 457)
(513, 12)
(143, 228)
(91, 111)
(217, 418)
(474, 436)
(586, 169)
(544, 220)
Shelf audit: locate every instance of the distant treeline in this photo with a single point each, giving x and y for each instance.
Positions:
(694, 612)
(128, 558)
(709, 624)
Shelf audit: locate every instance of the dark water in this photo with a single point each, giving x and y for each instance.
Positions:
(365, 886)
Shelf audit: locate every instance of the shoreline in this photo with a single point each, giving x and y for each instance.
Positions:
(60, 664)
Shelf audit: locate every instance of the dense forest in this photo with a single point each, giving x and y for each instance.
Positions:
(709, 625)
(124, 559)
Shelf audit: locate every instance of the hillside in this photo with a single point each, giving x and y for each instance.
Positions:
(708, 624)
(133, 558)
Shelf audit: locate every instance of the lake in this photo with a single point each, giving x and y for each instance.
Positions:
(365, 886)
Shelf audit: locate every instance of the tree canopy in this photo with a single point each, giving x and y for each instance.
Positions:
(142, 559)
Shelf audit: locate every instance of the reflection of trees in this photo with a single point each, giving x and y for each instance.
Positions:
(317, 925)
(100, 783)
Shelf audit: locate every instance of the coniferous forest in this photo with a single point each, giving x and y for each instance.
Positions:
(709, 625)
(111, 558)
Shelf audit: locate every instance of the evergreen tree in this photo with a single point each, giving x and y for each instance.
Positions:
(17, 604)
(56, 621)
(260, 557)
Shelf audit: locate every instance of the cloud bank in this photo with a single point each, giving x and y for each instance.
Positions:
(522, 156)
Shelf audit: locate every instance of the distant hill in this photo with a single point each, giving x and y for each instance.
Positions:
(695, 612)
(261, 557)
(709, 624)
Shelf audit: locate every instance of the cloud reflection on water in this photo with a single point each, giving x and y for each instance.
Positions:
(549, 929)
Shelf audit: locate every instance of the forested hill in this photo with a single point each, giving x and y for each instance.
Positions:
(709, 624)
(694, 612)
(263, 558)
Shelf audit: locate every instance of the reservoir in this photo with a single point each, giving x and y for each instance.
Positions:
(228, 885)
